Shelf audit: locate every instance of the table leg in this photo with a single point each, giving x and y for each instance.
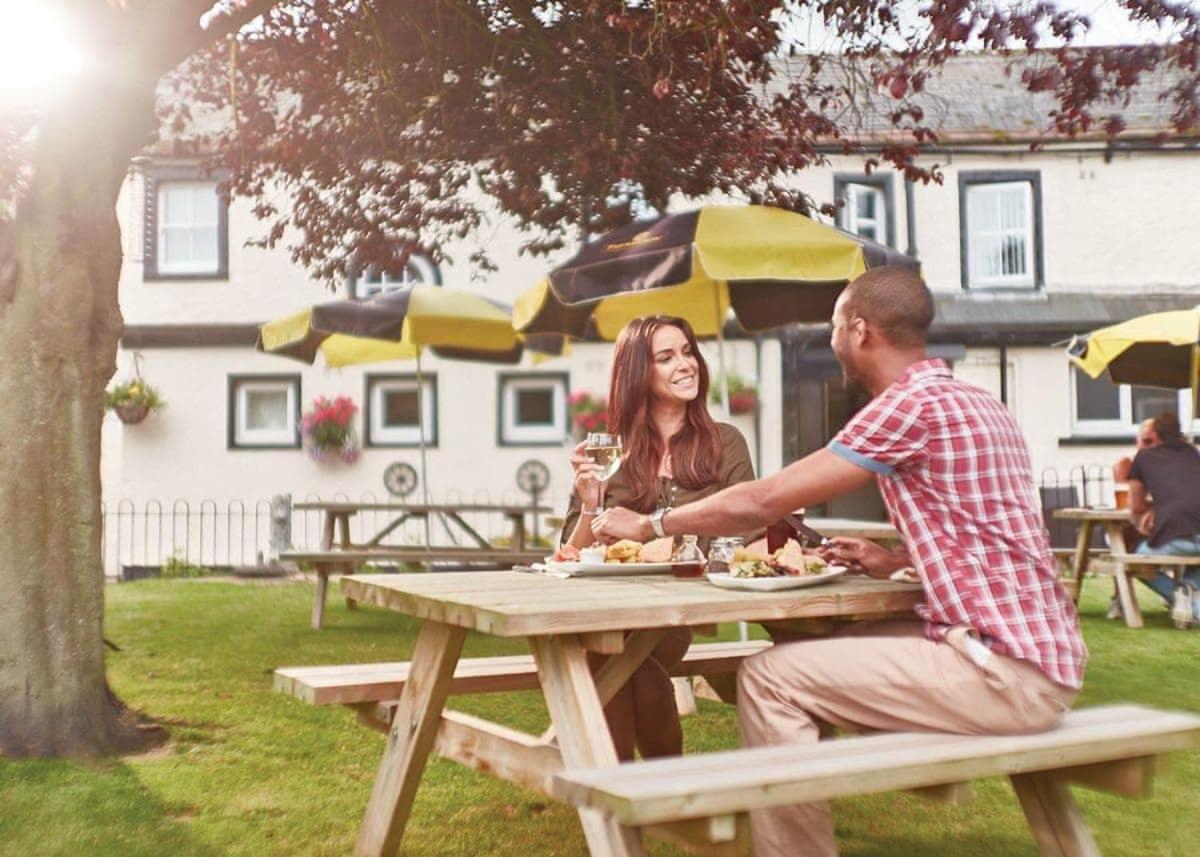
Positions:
(344, 522)
(318, 611)
(410, 739)
(1079, 567)
(518, 531)
(327, 531)
(1053, 816)
(583, 735)
(1125, 592)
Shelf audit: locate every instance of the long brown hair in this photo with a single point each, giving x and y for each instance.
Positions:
(695, 448)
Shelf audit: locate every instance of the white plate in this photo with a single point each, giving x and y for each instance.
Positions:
(600, 569)
(772, 584)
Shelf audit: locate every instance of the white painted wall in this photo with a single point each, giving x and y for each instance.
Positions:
(1124, 225)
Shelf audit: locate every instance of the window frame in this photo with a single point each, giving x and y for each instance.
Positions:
(508, 434)
(1126, 426)
(153, 178)
(384, 437)
(881, 182)
(968, 179)
(235, 439)
(355, 282)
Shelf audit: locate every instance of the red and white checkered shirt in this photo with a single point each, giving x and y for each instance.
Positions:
(955, 474)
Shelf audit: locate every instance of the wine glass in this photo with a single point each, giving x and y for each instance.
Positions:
(604, 449)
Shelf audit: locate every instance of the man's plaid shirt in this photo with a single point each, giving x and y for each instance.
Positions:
(955, 474)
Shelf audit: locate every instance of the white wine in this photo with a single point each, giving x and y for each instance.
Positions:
(609, 459)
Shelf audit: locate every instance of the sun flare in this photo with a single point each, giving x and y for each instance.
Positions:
(35, 53)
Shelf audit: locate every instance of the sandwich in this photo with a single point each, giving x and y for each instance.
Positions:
(787, 560)
(658, 550)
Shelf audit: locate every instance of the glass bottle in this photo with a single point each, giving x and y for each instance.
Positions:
(689, 559)
(720, 553)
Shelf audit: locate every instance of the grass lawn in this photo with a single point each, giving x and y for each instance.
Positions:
(251, 772)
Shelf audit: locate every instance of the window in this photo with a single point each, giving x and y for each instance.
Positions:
(393, 416)
(866, 206)
(186, 225)
(1001, 230)
(533, 409)
(1104, 408)
(264, 411)
(418, 269)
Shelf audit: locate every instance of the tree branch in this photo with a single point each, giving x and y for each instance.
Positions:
(184, 36)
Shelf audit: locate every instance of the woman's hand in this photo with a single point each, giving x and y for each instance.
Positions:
(588, 488)
(612, 525)
(862, 555)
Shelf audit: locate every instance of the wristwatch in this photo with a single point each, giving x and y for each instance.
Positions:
(656, 519)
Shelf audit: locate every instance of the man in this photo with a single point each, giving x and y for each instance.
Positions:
(1170, 471)
(1140, 525)
(999, 649)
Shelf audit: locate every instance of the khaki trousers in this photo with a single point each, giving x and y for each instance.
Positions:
(878, 676)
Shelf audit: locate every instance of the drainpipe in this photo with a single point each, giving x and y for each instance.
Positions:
(910, 220)
(1004, 374)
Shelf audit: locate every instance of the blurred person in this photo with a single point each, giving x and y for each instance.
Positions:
(997, 649)
(1141, 525)
(674, 453)
(1170, 472)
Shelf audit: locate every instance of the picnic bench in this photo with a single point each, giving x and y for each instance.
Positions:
(335, 529)
(1112, 748)
(1126, 566)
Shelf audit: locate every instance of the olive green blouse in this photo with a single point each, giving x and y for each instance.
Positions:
(735, 467)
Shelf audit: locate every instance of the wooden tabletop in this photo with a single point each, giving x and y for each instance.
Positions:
(417, 508)
(1098, 514)
(853, 528)
(519, 604)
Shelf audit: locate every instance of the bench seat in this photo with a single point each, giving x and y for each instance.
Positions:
(352, 684)
(1110, 748)
(1122, 567)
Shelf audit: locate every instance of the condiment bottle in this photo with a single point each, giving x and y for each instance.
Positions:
(689, 559)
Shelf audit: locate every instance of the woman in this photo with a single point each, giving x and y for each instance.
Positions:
(674, 453)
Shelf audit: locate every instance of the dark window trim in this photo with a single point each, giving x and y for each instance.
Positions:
(884, 182)
(1098, 440)
(966, 179)
(502, 378)
(232, 384)
(352, 278)
(427, 378)
(153, 176)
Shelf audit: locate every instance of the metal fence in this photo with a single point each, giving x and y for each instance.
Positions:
(1083, 485)
(238, 533)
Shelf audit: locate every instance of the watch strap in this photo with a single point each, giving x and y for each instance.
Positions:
(656, 519)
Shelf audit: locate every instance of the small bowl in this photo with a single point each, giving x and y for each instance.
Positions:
(591, 555)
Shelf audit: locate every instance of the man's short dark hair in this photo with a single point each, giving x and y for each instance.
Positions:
(895, 301)
(1166, 426)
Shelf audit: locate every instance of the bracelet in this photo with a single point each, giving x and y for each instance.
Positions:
(590, 514)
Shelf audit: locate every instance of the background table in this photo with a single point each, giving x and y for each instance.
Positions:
(1114, 522)
(562, 619)
(337, 520)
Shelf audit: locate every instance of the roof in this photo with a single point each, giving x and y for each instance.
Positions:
(974, 98)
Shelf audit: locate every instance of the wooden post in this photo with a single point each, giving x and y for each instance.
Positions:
(1053, 816)
(413, 731)
(583, 735)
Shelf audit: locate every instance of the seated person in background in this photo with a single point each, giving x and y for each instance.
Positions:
(1139, 526)
(1170, 472)
(674, 453)
(996, 649)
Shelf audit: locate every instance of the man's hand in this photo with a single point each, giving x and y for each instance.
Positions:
(612, 525)
(863, 555)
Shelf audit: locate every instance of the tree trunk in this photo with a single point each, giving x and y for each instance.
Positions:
(59, 327)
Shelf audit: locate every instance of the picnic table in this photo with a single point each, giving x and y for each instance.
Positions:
(337, 514)
(1125, 564)
(562, 619)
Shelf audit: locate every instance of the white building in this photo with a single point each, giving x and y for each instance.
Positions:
(1022, 248)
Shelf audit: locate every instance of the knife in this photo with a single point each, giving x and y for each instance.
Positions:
(796, 522)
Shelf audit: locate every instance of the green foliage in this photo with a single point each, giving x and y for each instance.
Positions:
(743, 393)
(133, 392)
(178, 566)
(250, 772)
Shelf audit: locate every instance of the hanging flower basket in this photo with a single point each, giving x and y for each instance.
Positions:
(328, 430)
(133, 400)
(132, 413)
(743, 395)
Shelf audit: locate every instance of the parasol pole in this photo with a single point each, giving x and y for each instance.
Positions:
(421, 437)
(723, 389)
(1195, 385)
